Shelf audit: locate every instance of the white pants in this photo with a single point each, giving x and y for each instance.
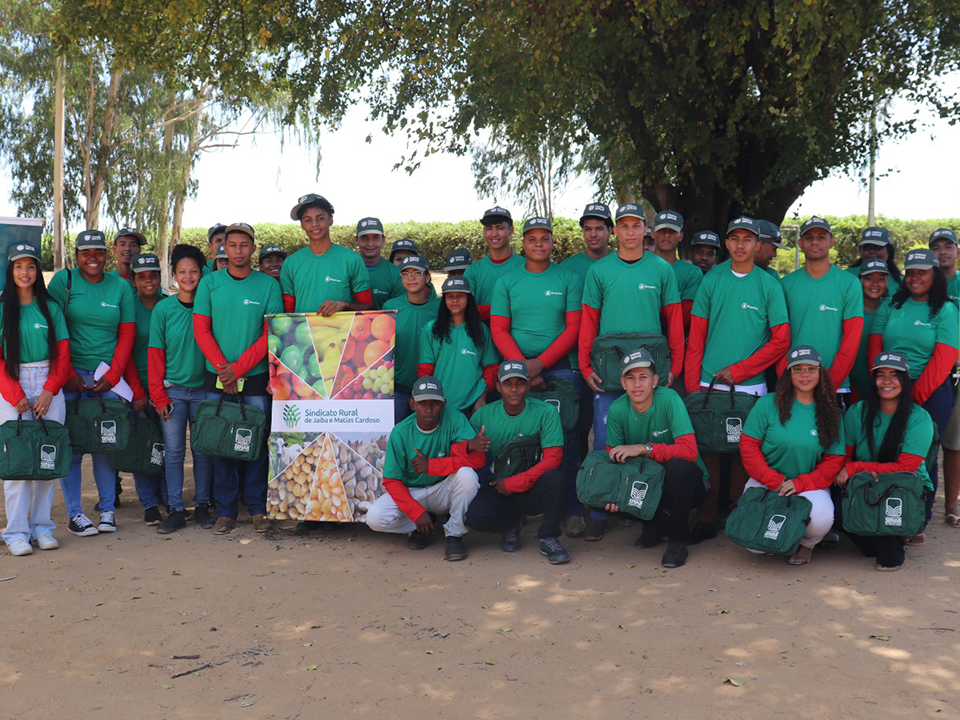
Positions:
(28, 503)
(451, 495)
(821, 514)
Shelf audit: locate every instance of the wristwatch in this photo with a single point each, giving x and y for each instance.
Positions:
(649, 448)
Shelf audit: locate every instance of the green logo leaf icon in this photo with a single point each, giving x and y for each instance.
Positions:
(291, 415)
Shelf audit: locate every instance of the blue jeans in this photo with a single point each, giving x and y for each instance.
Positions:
(939, 405)
(401, 405)
(601, 404)
(185, 401)
(103, 473)
(226, 481)
(571, 448)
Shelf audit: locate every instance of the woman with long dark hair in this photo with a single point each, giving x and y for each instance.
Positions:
(456, 349)
(35, 365)
(792, 442)
(922, 323)
(876, 244)
(874, 275)
(884, 433)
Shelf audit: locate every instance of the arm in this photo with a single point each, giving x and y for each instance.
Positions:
(937, 370)
(490, 376)
(400, 494)
(686, 307)
(289, 303)
(132, 377)
(500, 330)
(252, 355)
(589, 327)
(822, 476)
(9, 388)
(756, 464)
(484, 312)
(672, 317)
(905, 463)
(695, 345)
(121, 352)
(847, 354)
(765, 356)
(156, 372)
(565, 341)
(683, 448)
(424, 369)
(203, 330)
(62, 369)
(521, 482)
(460, 456)
(874, 348)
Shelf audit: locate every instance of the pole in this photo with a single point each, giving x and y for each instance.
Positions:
(58, 253)
(872, 191)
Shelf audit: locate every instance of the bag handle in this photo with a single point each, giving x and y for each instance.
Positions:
(706, 397)
(19, 423)
(733, 398)
(243, 411)
(103, 406)
(883, 496)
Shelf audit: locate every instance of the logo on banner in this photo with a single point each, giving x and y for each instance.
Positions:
(242, 440)
(48, 457)
(638, 492)
(774, 527)
(108, 432)
(734, 429)
(157, 453)
(893, 512)
(291, 415)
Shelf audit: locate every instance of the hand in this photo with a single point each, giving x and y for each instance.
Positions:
(725, 377)
(670, 379)
(164, 412)
(842, 477)
(42, 404)
(481, 401)
(538, 383)
(593, 380)
(500, 486)
(621, 452)
(22, 406)
(102, 385)
(420, 462)
(611, 507)
(480, 443)
(425, 524)
(139, 405)
(74, 384)
(231, 388)
(787, 488)
(535, 366)
(330, 307)
(226, 374)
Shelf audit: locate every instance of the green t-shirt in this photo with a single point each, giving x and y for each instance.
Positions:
(171, 330)
(663, 422)
(953, 289)
(911, 331)
(410, 321)
(860, 374)
(385, 282)
(689, 278)
(338, 274)
(579, 265)
(458, 363)
(34, 345)
(537, 417)
(740, 312)
(793, 449)
(628, 295)
(94, 313)
(141, 342)
(122, 277)
(206, 269)
(917, 437)
(818, 308)
(537, 305)
(237, 307)
(484, 274)
(406, 438)
(773, 273)
(892, 284)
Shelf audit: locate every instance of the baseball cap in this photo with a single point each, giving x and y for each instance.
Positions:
(803, 355)
(637, 359)
(132, 232)
(307, 200)
(707, 237)
(815, 222)
(369, 226)
(600, 211)
(631, 210)
(538, 222)
(920, 259)
(428, 388)
(512, 368)
(145, 262)
(744, 223)
(668, 219)
(271, 250)
(214, 229)
(459, 259)
(770, 233)
(403, 244)
(496, 214)
(873, 266)
(946, 233)
(221, 253)
(456, 284)
(90, 239)
(242, 228)
(875, 236)
(414, 261)
(895, 360)
(22, 250)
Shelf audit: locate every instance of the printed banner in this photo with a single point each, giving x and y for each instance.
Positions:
(332, 384)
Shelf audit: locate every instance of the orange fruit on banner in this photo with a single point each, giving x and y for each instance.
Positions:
(374, 351)
(383, 327)
(360, 330)
(281, 387)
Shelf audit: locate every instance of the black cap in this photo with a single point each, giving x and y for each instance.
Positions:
(308, 200)
(496, 214)
(218, 228)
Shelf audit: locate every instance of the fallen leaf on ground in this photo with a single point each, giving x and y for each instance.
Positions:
(733, 681)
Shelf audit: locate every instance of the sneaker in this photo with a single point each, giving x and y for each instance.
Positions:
(594, 528)
(203, 517)
(675, 555)
(177, 520)
(700, 532)
(553, 551)
(81, 525)
(224, 525)
(574, 526)
(510, 540)
(260, 523)
(455, 550)
(47, 542)
(152, 516)
(108, 522)
(19, 547)
(418, 541)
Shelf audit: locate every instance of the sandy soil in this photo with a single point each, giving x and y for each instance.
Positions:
(349, 623)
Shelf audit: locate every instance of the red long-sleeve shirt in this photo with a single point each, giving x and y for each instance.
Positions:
(671, 317)
(765, 356)
(500, 327)
(521, 482)
(364, 297)
(682, 448)
(754, 462)
(60, 371)
(905, 462)
(203, 329)
(938, 368)
(156, 372)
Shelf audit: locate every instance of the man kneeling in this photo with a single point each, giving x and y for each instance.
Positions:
(429, 469)
(520, 487)
(650, 413)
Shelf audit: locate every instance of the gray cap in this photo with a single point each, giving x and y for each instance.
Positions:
(706, 237)
(22, 250)
(744, 223)
(496, 214)
(921, 259)
(770, 233)
(631, 210)
(637, 359)
(598, 211)
(428, 388)
(369, 226)
(459, 259)
(535, 223)
(418, 262)
(945, 233)
(310, 199)
(90, 240)
(873, 266)
(145, 262)
(895, 360)
(403, 245)
(221, 253)
(456, 284)
(271, 250)
(875, 235)
(215, 229)
(803, 355)
(512, 368)
(132, 232)
(668, 219)
(241, 228)
(815, 222)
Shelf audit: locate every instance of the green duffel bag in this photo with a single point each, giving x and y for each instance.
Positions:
(34, 450)
(561, 394)
(609, 350)
(635, 486)
(718, 417)
(517, 456)
(769, 522)
(891, 505)
(145, 451)
(228, 430)
(97, 425)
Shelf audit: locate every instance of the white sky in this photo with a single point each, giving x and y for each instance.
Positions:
(257, 182)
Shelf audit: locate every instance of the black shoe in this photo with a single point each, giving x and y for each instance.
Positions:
(830, 541)
(203, 516)
(308, 526)
(177, 520)
(152, 516)
(594, 528)
(553, 551)
(418, 541)
(700, 532)
(651, 536)
(510, 540)
(675, 555)
(574, 526)
(455, 549)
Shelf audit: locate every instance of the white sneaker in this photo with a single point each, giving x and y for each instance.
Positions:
(108, 522)
(19, 547)
(47, 542)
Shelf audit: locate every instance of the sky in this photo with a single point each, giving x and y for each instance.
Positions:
(259, 181)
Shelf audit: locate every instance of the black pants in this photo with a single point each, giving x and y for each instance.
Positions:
(492, 512)
(887, 549)
(683, 490)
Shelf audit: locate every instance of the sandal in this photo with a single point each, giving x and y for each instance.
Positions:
(798, 559)
(915, 540)
(953, 520)
(888, 568)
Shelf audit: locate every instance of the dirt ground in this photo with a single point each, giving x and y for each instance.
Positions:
(348, 623)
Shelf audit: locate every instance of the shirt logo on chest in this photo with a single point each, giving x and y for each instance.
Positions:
(548, 293)
(105, 304)
(658, 433)
(825, 308)
(37, 326)
(644, 286)
(247, 301)
(464, 351)
(748, 306)
(921, 324)
(332, 279)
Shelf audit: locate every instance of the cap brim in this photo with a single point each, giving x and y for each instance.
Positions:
(668, 226)
(145, 269)
(141, 238)
(804, 361)
(741, 227)
(512, 374)
(871, 271)
(631, 366)
(638, 215)
(776, 244)
(21, 255)
(889, 364)
(920, 266)
(429, 396)
(491, 219)
(872, 241)
(372, 231)
(99, 246)
(281, 253)
(238, 229)
(604, 218)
